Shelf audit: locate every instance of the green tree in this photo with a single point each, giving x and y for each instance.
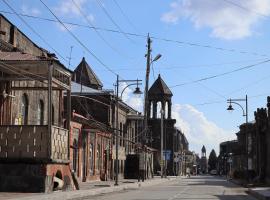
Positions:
(212, 161)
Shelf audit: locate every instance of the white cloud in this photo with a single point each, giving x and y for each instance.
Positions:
(30, 10)
(227, 21)
(132, 100)
(198, 129)
(68, 8)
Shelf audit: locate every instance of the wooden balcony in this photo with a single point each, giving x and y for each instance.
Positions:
(33, 143)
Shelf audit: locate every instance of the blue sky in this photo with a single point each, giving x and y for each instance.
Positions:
(215, 23)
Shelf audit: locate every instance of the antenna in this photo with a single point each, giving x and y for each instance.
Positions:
(69, 58)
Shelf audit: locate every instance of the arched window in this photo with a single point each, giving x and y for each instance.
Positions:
(91, 159)
(75, 154)
(166, 111)
(40, 113)
(24, 109)
(159, 107)
(98, 157)
(151, 110)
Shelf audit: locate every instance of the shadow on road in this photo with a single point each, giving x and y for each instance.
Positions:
(210, 181)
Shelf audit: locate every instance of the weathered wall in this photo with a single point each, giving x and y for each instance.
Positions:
(17, 39)
(34, 96)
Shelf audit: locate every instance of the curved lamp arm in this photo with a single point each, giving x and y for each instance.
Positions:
(244, 113)
(127, 87)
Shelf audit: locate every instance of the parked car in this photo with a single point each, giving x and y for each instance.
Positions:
(213, 172)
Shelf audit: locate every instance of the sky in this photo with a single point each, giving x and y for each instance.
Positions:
(212, 50)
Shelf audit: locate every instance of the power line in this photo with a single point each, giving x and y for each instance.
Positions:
(33, 30)
(96, 30)
(207, 46)
(125, 16)
(222, 74)
(78, 40)
(246, 9)
(111, 19)
(192, 44)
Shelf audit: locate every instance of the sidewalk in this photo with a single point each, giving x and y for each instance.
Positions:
(88, 189)
(261, 193)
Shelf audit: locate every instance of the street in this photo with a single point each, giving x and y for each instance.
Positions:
(196, 187)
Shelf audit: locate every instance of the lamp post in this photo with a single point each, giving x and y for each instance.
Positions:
(161, 143)
(137, 91)
(245, 114)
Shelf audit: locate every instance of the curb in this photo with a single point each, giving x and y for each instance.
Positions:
(81, 194)
(258, 195)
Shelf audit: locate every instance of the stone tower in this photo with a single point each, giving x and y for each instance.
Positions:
(159, 97)
(203, 161)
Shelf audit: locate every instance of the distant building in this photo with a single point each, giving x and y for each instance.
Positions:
(203, 161)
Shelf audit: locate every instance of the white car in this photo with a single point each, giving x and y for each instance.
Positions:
(213, 172)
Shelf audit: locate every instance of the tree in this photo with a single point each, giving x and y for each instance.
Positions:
(212, 161)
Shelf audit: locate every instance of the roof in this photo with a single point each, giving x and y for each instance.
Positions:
(18, 56)
(85, 75)
(21, 56)
(159, 87)
(79, 88)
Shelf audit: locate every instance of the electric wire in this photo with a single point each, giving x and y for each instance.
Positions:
(96, 30)
(111, 19)
(78, 40)
(192, 44)
(125, 16)
(222, 74)
(33, 30)
(246, 9)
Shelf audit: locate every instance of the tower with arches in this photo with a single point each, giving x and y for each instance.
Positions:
(159, 99)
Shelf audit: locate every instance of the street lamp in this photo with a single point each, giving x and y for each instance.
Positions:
(137, 91)
(245, 114)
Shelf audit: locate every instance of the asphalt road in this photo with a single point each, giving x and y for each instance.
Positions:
(196, 187)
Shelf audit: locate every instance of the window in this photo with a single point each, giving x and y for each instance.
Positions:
(24, 109)
(98, 157)
(91, 163)
(75, 154)
(40, 113)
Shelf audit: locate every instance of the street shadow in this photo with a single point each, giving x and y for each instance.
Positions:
(234, 197)
(211, 181)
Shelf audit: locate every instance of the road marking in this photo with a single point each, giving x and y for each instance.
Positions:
(178, 194)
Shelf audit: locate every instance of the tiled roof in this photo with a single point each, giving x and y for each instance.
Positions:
(18, 56)
(159, 88)
(85, 75)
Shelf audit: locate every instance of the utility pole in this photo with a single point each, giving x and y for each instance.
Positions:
(148, 63)
(161, 143)
(117, 133)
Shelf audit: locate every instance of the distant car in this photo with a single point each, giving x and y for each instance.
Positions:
(213, 172)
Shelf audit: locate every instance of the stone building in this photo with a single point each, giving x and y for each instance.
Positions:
(94, 103)
(34, 138)
(159, 96)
